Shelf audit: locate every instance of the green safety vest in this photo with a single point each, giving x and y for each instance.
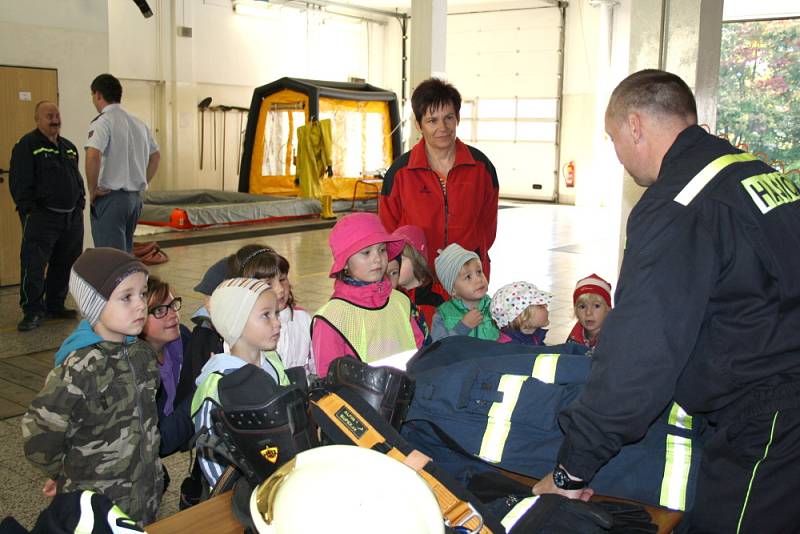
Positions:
(372, 333)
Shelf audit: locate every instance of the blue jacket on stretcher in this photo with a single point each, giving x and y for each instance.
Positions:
(480, 404)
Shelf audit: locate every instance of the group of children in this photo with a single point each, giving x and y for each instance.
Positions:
(95, 425)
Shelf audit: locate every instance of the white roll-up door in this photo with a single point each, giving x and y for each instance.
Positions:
(507, 66)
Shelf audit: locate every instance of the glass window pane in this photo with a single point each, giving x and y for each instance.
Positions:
(537, 108)
(466, 109)
(496, 131)
(536, 131)
(464, 130)
(496, 108)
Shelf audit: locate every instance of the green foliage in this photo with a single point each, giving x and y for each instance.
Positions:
(759, 94)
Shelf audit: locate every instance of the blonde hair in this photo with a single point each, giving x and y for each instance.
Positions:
(419, 264)
(524, 317)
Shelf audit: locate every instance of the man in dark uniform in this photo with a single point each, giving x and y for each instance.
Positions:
(707, 312)
(48, 190)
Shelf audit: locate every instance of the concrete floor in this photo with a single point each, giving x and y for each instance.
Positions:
(550, 246)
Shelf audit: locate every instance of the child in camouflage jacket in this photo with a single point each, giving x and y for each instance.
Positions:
(94, 425)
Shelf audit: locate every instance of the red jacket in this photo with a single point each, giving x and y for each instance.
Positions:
(466, 214)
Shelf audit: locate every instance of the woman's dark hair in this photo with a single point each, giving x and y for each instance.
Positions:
(260, 261)
(432, 94)
(157, 291)
(108, 86)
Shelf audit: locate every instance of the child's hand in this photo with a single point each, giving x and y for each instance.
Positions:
(49, 488)
(472, 319)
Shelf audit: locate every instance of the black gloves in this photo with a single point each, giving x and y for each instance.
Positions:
(555, 514)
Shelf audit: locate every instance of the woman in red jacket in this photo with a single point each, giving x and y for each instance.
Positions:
(445, 187)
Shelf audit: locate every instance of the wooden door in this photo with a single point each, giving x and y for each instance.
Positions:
(20, 89)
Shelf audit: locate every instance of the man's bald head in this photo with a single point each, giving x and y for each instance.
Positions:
(48, 119)
(653, 91)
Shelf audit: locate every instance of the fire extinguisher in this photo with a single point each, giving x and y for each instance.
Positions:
(569, 174)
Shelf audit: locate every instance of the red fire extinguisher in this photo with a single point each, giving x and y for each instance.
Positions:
(569, 174)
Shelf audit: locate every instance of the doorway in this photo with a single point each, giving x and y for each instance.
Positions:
(20, 89)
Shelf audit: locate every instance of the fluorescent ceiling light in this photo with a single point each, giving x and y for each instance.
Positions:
(260, 8)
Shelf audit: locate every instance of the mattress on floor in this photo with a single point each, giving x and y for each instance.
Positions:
(205, 207)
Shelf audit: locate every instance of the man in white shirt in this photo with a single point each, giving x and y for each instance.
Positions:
(121, 159)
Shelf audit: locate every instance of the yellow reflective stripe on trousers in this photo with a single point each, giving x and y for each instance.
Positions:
(86, 522)
(677, 462)
(518, 511)
(544, 368)
(499, 420)
(708, 173)
(678, 417)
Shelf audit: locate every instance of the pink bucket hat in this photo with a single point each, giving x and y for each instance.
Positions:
(414, 236)
(357, 231)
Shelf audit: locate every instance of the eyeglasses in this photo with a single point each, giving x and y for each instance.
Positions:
(159, 312)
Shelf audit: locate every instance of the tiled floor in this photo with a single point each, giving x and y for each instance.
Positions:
(550, 246)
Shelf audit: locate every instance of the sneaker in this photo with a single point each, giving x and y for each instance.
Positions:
(61, 313)
(29, 322)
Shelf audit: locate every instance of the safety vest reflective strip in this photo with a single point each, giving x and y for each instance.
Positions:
(86, 522)
(545, 368)
(701, 179)
(275, 361)
(677, 462)
(45, 149)
(518, 511)
(207, 390)
(499, 421)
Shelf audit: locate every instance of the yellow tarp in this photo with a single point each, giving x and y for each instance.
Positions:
(360, 143)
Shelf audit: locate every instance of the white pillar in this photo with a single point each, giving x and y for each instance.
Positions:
(428, 46)
(681, 36)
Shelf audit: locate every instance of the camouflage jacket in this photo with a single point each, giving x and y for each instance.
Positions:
(94, 426)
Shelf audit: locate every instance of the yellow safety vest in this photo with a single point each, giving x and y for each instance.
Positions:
(372, 333)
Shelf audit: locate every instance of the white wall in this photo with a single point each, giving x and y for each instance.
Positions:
(70, 36)
(227, 57)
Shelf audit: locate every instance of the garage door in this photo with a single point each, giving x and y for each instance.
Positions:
(507, 66)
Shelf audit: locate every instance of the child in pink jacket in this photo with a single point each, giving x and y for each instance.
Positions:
(365, 317)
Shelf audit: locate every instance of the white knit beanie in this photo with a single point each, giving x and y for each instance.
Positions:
(512, 299)
(231, 304)
(449, 263)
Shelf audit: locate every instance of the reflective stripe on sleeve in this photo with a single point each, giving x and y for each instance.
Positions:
(544, 368)
(676, 472)
(678, 417)
(696, 184)
(499, 420)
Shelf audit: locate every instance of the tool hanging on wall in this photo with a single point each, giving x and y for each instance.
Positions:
(214, 134)
(202, 106)
(224, 110)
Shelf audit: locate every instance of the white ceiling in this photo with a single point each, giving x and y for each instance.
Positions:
(452, 5)
(733, 9)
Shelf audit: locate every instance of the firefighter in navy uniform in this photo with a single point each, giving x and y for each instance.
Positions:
(47, 189)
(707, 311)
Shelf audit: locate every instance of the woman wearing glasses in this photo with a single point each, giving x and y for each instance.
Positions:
(165, 333)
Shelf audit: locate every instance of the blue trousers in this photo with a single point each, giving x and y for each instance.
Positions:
(114, 218)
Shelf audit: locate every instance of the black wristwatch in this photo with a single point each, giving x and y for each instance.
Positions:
(562, 480)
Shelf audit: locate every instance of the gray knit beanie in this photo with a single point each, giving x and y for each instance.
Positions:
(449, 262)
(95, 275)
